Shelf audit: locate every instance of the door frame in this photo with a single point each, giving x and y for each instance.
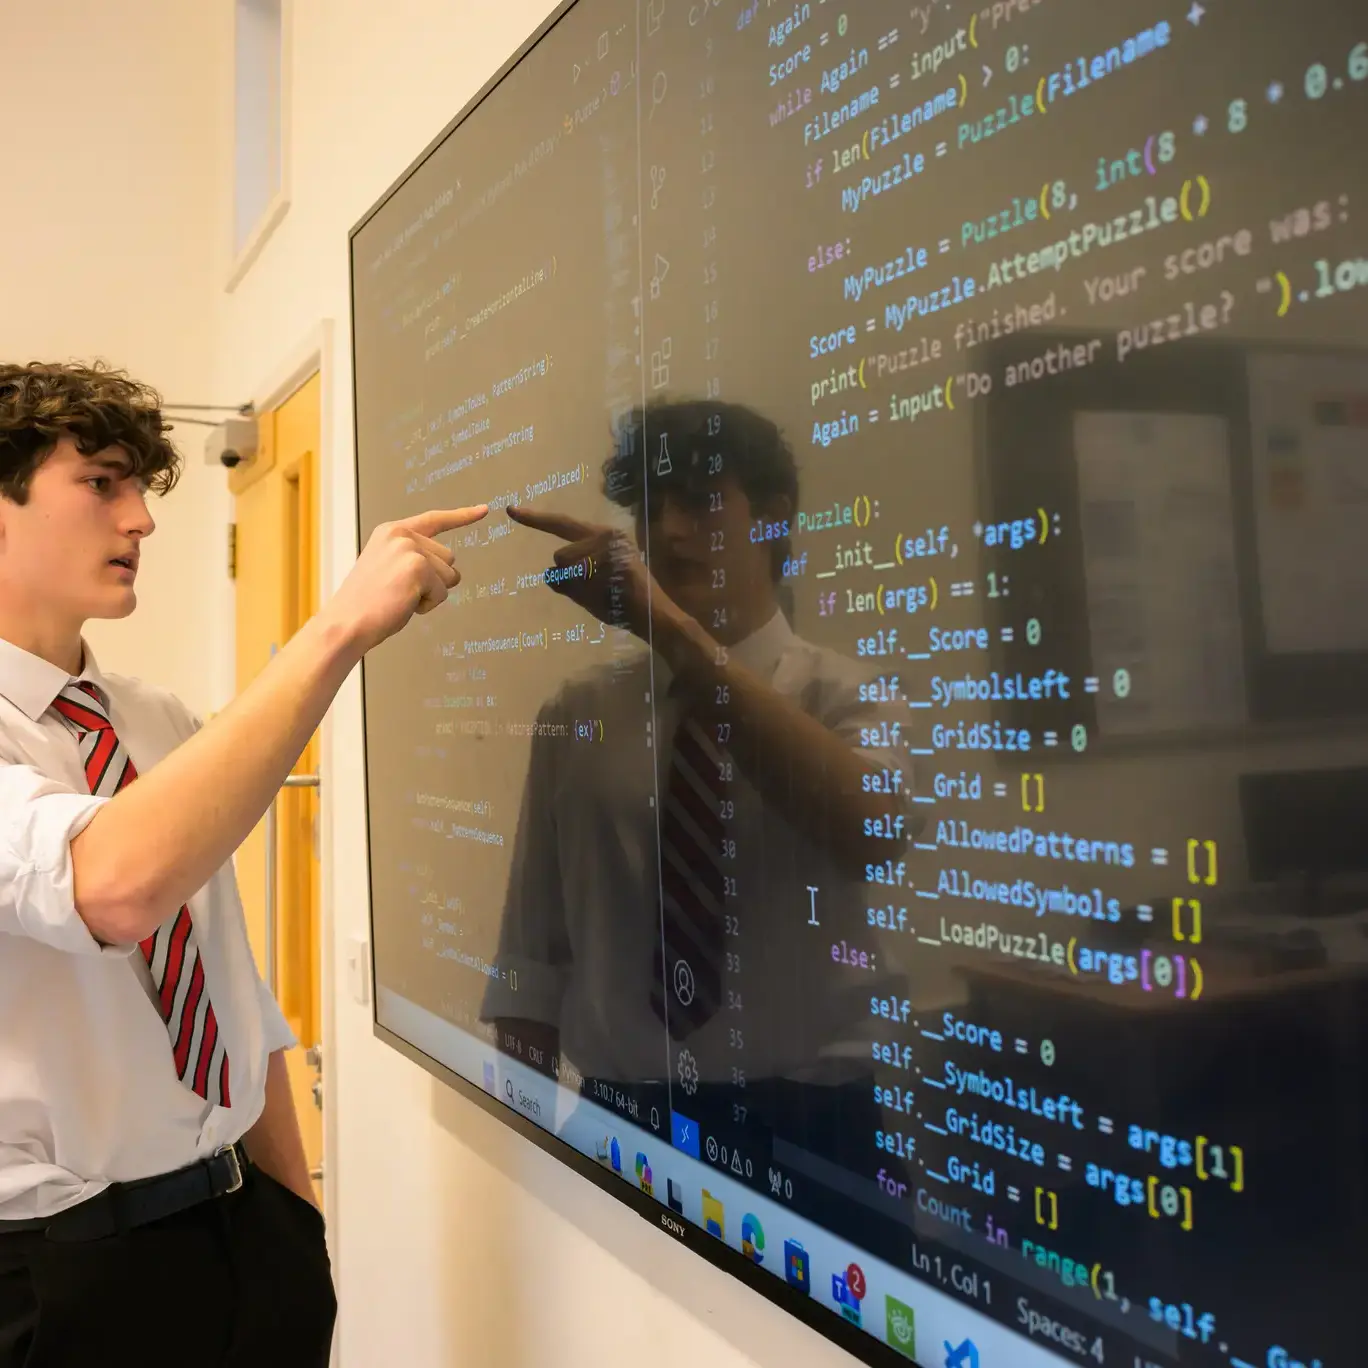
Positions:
(315, 353)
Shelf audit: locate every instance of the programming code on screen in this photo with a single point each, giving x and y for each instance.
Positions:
(891, 782)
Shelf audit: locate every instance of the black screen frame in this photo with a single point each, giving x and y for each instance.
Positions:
(858, 1342)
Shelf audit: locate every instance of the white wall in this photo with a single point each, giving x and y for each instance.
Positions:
(455, 1242)
(105, 251)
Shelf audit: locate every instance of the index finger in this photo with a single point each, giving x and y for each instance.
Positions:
(557, 524)
(438, 520)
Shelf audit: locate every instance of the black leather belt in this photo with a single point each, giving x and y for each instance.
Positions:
(122, 1206)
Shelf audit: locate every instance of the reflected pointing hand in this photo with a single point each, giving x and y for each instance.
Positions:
(604, 572)
(561, 525)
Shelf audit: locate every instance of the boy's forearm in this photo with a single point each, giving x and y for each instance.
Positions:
(156, 843)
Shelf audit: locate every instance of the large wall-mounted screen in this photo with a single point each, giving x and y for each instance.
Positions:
(889, 796)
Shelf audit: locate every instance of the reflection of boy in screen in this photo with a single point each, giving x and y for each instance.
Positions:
(620, 914)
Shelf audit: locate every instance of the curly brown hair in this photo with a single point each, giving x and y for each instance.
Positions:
(96, 405)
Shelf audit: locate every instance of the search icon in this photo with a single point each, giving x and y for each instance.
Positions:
(508, 1088)
(659, 86)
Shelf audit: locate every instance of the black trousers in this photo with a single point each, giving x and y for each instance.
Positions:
(243, 1281)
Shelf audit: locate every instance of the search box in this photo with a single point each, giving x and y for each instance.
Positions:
(529, 1098)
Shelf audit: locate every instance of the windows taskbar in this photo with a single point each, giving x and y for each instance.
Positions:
(956, 1311)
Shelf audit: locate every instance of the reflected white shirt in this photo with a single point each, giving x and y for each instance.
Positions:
(88, 1088)
(581, 928)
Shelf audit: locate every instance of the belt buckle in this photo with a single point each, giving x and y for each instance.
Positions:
(234, 1167)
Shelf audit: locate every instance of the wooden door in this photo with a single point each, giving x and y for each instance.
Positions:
(276, 514)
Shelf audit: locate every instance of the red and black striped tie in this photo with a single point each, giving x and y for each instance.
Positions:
(172, 952)
(693, 883)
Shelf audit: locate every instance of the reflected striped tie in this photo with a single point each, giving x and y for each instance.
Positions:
(172, 952)
(693, 883)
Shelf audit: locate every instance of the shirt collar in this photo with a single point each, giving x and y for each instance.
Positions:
(32, 683)
(759, 653)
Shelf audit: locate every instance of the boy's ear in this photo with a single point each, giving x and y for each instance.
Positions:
(778, 508)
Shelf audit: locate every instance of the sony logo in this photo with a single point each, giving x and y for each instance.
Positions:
(673, 1226)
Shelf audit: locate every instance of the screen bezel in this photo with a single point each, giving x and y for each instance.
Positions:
(860, 1343)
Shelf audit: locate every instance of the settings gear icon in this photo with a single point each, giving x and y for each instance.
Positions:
(688, 1072)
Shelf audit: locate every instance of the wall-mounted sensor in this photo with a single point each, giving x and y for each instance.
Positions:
(232, 443)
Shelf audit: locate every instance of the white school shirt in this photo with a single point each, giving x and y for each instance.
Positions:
(88, 1088)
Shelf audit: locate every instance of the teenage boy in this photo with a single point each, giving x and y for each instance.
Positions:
(155, 1204)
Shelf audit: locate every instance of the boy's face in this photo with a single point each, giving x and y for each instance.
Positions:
(57, 550)
(703, 553)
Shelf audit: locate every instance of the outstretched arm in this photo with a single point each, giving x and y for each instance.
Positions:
(800, 767)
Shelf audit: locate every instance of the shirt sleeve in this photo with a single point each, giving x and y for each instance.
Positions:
(275, 1028)
(190, 720)
(864, 710)
(534, 949)
(39, 818)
